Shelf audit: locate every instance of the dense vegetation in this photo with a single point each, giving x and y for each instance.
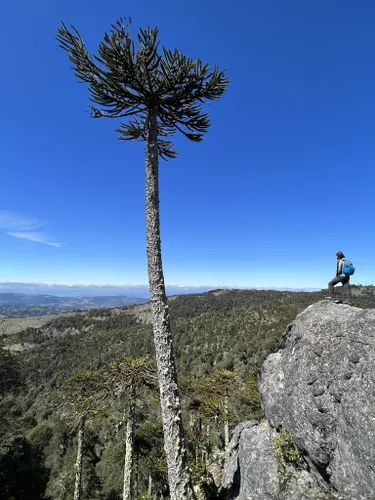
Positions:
(27, 311)
(221, 339)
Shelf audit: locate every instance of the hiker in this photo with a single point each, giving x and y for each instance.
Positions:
(344, 270)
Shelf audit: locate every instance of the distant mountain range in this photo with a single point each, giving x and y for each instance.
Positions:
(19, 304)
(20, 299)
(30, 299)
(95, 290)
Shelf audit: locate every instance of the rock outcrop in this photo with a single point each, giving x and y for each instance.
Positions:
(319, 388)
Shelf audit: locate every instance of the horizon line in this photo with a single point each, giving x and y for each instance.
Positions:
(143, 285)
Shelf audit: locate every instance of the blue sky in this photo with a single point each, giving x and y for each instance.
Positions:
(284, 178)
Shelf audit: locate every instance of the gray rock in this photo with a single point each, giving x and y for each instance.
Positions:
(251, 470)
(320, 387)
(255, 471)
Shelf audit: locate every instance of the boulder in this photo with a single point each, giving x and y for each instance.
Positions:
(251, 470)
(256, 471)
(318, 389)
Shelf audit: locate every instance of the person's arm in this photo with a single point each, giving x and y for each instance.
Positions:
(340, 267)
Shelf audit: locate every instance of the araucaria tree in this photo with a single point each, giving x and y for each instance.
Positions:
(126, 379)
(85, 395)
(160, 92)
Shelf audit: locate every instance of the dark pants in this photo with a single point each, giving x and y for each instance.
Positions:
(345, 284)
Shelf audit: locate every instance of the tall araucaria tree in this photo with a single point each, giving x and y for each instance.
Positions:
(85, 395)
(160, 92)
(126, 379)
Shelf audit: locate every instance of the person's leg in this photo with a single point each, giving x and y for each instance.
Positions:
(346, 289)
(332, 284)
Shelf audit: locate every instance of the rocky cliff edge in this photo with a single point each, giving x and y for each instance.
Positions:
(318, 397)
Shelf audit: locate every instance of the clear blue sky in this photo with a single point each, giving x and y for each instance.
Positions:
(284, 178)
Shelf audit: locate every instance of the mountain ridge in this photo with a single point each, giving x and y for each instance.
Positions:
(21, 305)
(134, 290)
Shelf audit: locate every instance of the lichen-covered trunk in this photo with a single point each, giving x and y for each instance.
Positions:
(226, 425)
(136, 476)
(79, 460)
(206, 445)
(194, 432)
(178, 474)
(129, 453)
(149, 489)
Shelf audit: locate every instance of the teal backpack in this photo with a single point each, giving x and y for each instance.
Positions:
(348, 268)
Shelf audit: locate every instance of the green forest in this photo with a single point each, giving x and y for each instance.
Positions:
(100, 364)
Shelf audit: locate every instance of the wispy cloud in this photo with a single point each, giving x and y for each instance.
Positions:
(37, 237)
(23, 226)
(17, 221)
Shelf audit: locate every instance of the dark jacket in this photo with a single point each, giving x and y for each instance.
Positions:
(340, 267)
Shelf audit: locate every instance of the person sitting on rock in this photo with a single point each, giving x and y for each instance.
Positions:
(340, 277)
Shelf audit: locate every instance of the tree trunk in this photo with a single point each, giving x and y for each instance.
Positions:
(129, 452)
(192, 421)
(178, 475)
(136, 477)
(78, 465)
(208, 442)
(149, 489)
(226, 425)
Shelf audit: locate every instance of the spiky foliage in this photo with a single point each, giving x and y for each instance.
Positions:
(210, 399)
(125, 81)
(131, 371)
(219, 384)
(212, 394)
(207, 396)
(84, 394)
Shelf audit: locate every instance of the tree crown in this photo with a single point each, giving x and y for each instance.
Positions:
(85, 395)
(129, 81)
(131, 373)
